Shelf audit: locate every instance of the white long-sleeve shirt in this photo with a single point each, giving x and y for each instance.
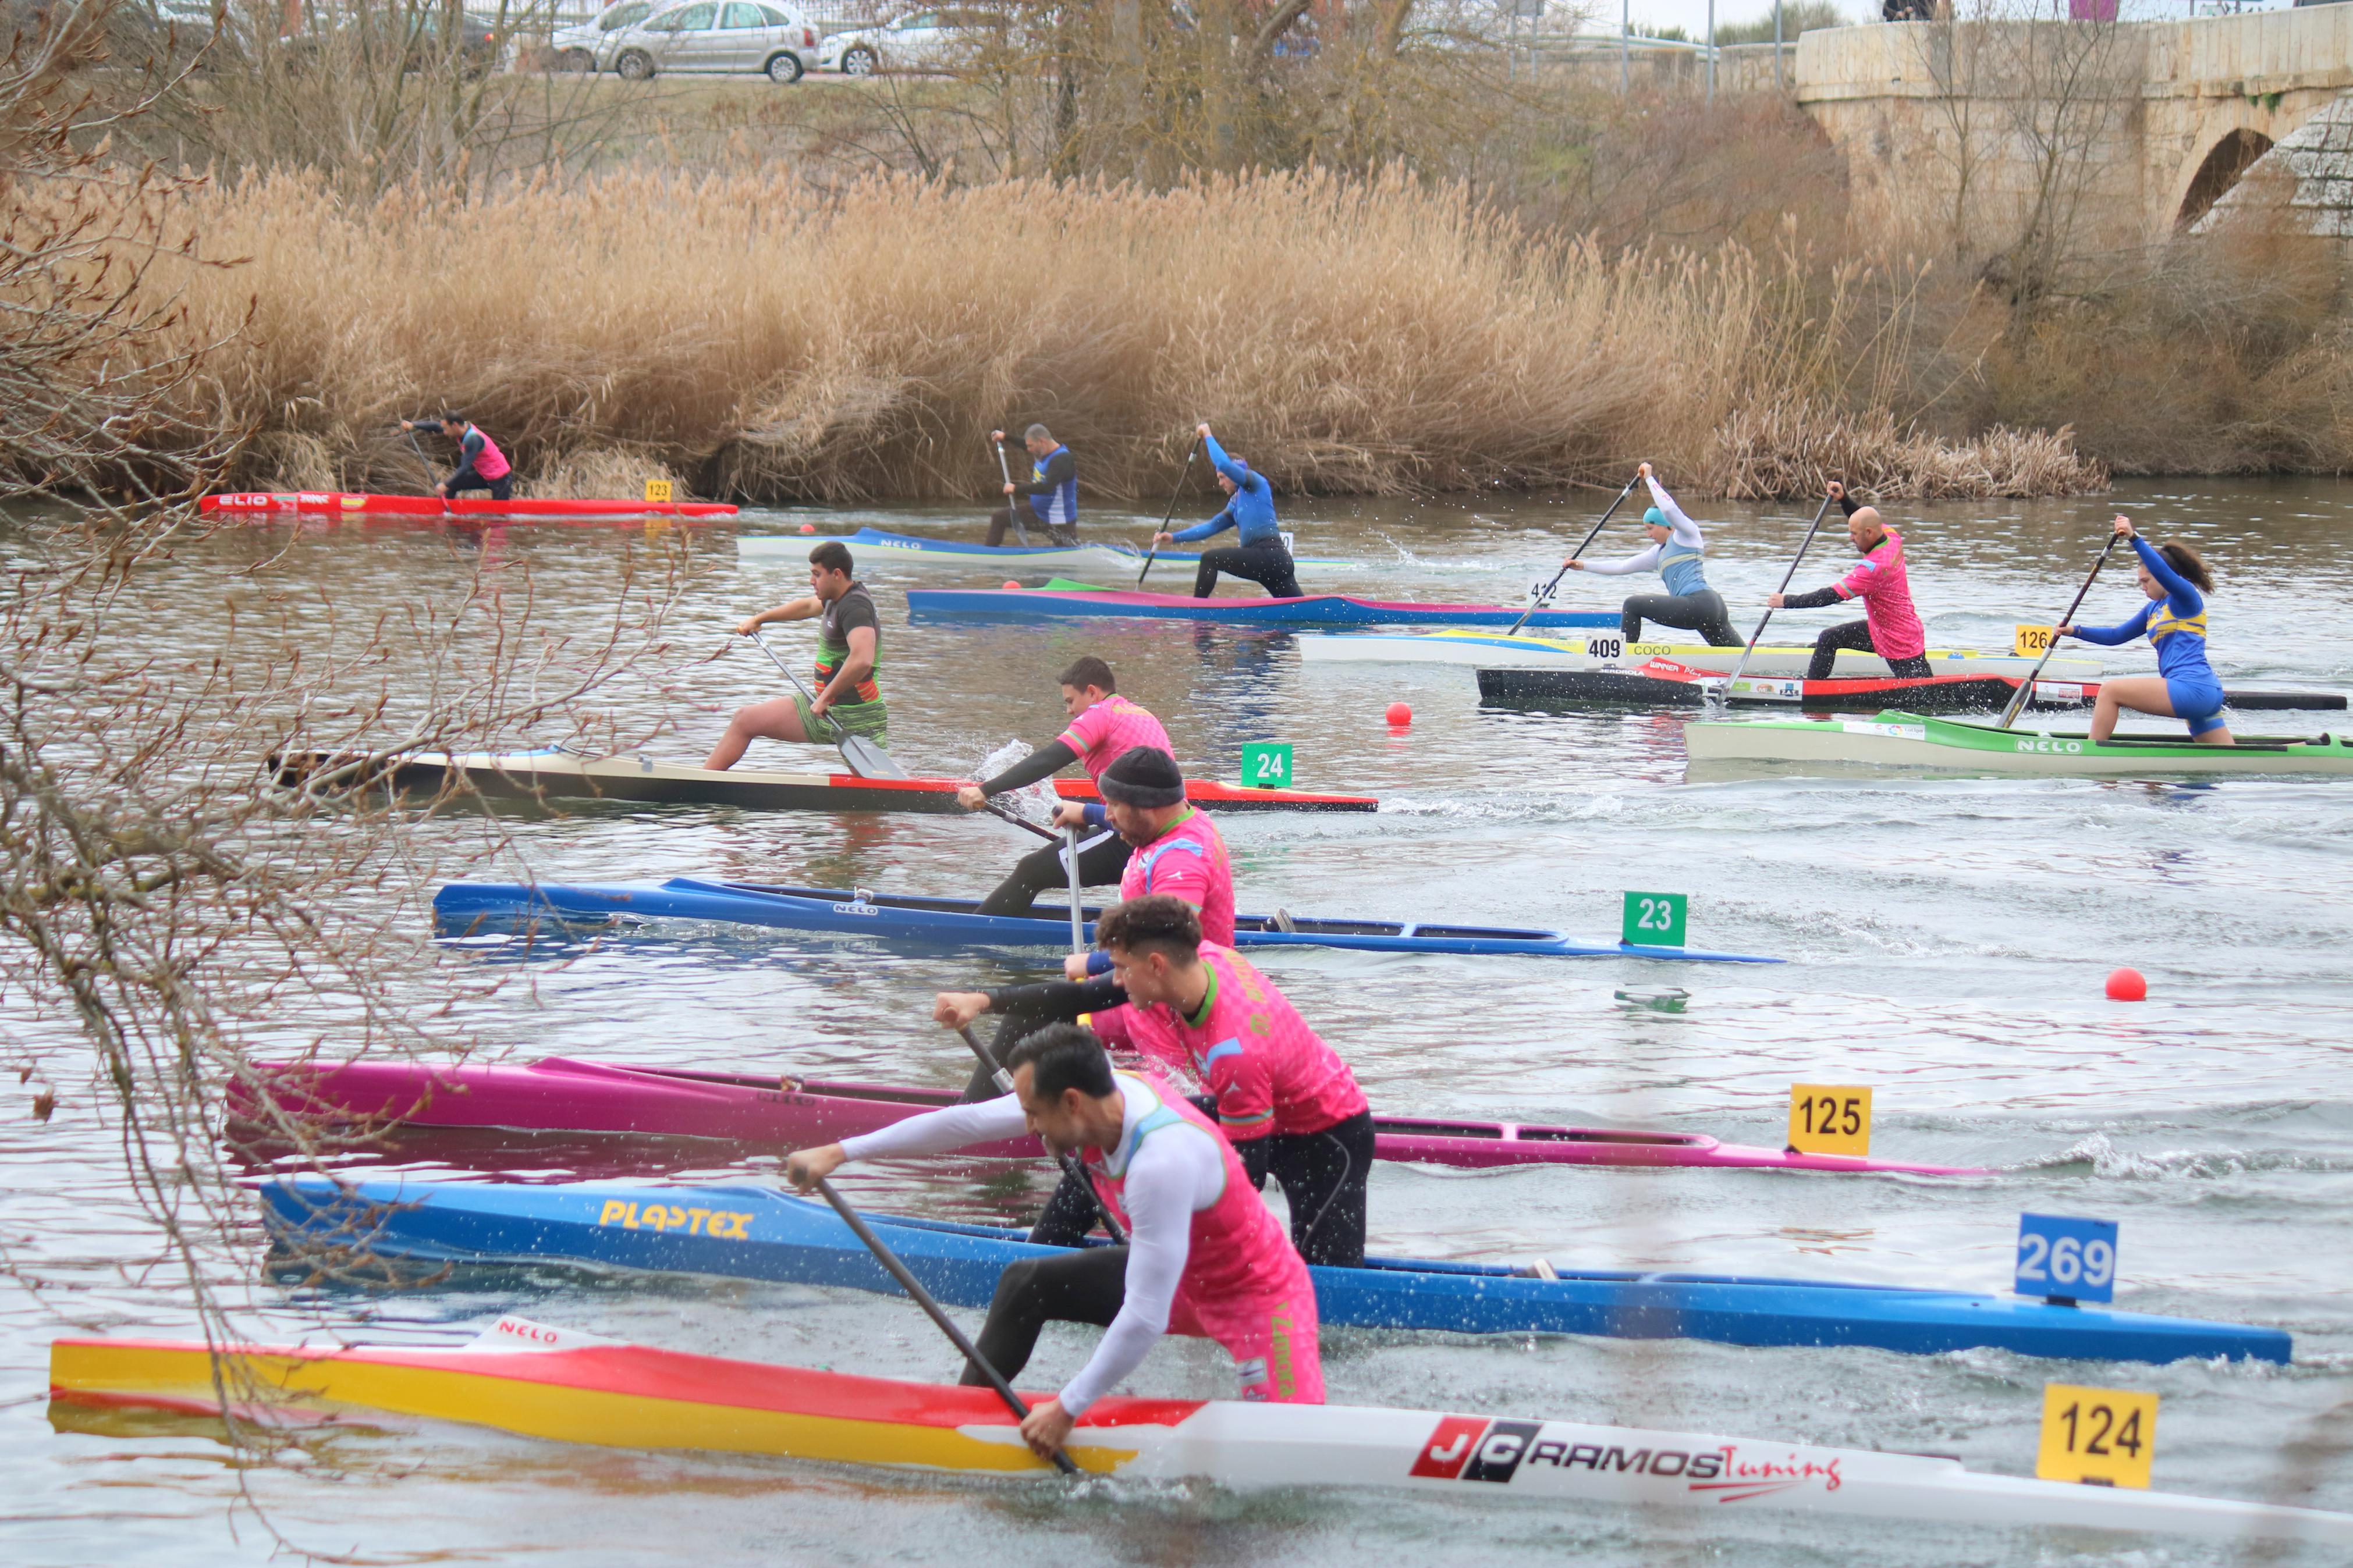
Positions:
(1681, 529)
(1167, 1180)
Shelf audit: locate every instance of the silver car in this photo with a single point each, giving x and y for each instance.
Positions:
(713, 36)
(574, 48)
(918, 41)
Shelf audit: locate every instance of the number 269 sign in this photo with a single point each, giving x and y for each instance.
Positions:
(2074, 1259)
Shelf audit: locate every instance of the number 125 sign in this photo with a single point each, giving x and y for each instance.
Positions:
(2071, 1258)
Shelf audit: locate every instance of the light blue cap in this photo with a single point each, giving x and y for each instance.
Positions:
(1654, 518)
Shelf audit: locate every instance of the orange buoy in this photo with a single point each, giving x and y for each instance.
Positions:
(1011, 584)
(1399, 713)
(2126, 985)
(808, 528)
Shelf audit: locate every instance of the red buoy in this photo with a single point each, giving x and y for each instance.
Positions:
(2126, 985)
(808, 528)
(1010, 583)
(1399, 713)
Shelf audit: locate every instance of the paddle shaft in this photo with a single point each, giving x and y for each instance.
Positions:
(1806, 543)
(1012, 502)
(1590, 534)
(2018, 699)
(1078, 915)
(842, 738)
(1171, 512)
(411, 433)
(883, 1255)
(1022, 823)
(1069, 1162)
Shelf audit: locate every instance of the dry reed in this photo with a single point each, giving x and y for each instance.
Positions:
(1383, 337)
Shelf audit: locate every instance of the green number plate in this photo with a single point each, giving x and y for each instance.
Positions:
(1655, 920)
(1266, 765)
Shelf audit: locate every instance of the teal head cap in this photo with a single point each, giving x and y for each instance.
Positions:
(1654, 518)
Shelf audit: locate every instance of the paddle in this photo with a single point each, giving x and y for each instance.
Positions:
(1021, 822)
(409, 431)
(1069, 1162)
(1078, 915)
(1716, 695)
(1590, 533)
(1012, 502)
(898, 1271)
(866, 759)
(2018, 698)
(1171, 512)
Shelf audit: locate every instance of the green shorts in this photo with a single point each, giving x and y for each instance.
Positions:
(871, 720)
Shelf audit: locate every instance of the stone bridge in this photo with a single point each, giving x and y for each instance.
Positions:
(1947, 127)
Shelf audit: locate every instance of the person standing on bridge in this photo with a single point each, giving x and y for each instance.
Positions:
(1890, 627)
(1676, 548)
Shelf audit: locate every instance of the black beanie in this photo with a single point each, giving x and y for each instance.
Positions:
(1146, 776)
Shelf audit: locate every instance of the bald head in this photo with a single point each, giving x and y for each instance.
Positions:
(1864, 528)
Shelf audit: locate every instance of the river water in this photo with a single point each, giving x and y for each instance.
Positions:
(1948, 944)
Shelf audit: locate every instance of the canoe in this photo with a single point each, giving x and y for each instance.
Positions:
(1913, 741)
(879, 552)
(559, 1094)
(759, 1232)
(460, 908)
(334, 503)
(1679, 687)
(553, 773)
(1607, 650)
(1058, 603)
(537, 1380)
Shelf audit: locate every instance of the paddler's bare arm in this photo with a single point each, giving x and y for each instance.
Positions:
(799, 610)
(856, 668)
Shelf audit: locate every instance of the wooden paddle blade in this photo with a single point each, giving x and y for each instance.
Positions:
(869, 760)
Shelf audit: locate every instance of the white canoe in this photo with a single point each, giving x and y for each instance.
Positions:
(878, 552)
(1606, 650)
(528, 1378)
(1918, 742)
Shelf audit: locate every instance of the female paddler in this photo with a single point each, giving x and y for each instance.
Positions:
(1676, 548)
(1204, 1256)
(1103, 728)
(2175, 579)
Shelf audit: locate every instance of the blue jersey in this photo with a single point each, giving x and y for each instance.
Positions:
(2175, 624)
(1252, 510)
(1058, 507)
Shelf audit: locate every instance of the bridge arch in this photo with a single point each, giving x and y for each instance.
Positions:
(2229, 159)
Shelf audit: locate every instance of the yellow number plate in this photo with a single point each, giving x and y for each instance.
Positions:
(1830, 1119)
(2029, 642)
(2101, 1436)
(657, 491)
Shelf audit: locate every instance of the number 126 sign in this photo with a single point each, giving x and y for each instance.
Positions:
(2071, 1258)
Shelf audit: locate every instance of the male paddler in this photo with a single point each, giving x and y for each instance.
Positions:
(1260, 555)
(1890, 628)
(480, 465)
(1051, 493)
(1104, 726)
(848, 651)
(1204, 1256)
(1285, 1100)
(1676, 548)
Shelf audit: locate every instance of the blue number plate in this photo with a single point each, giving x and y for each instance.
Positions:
(2076, 1258)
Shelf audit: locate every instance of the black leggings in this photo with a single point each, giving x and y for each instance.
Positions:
(1267, 564)
(1856, 635)
(1323, 1175)
(1701, 612)
(1083, 1287)
(465, 478)
(1002, 518)
(1102, 857)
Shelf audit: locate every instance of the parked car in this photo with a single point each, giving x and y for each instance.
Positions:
(574, 48)
(709, 36)
(411, 37)
(921, 41)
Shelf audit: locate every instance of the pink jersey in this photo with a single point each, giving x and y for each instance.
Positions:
(490, 462)
(1250, 1048)
(1109, 730)
(1244, 1284)
(1879, 577)
(1188, 860)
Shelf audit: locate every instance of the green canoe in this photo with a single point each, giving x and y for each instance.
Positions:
(1912, 741)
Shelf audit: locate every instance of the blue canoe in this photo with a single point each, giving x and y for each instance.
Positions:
(1055, 603)
(877, 550)
(462, 908)
(767, 1234)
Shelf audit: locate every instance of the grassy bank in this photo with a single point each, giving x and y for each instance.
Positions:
(1382, 336)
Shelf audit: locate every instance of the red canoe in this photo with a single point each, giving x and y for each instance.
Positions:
(334, 503)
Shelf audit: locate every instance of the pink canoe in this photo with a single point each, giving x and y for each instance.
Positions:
(337, 503)
(559, 1094)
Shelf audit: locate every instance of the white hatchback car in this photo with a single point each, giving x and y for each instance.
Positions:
(713, 36)
(921, 41)
(574, 48)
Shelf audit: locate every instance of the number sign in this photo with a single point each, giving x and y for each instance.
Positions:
(2069, 1259)
(1654, 920)
(2029, 642)
(1266, 765)
(2099, 1437)
(657, 492)
(1830, 1119)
